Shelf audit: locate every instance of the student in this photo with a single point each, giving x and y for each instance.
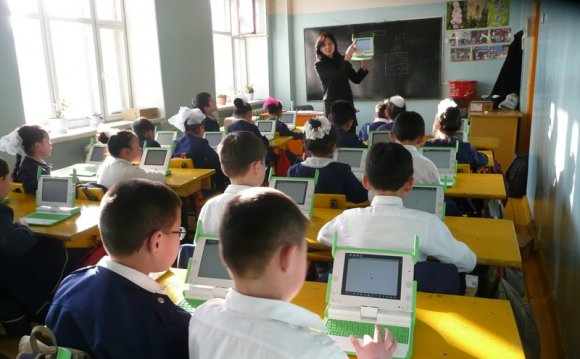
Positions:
(205, 102)
(30, 268)
(33, 143)
(386, 224)
(394, 106)
(243, 160)
(274, 107)
(333, 177)
(409, 130)
(446, 127)
(114, 309)
(262, 244)
(123, 148)
(342, 114)
(145, 131)
(243, 120)
(385, 112)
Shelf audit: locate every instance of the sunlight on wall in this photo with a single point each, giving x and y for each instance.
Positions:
(560, 155)
(574, 159)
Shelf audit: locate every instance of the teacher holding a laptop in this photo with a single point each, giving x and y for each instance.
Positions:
(335, 71)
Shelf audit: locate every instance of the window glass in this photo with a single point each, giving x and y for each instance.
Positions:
(220, 18)
(68, 8)
(224, 63)
(115, 75)
(108, 10)
(23, 6)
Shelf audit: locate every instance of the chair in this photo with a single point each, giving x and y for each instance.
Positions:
(334, 201)
(17, 187)
(91, 191)
(304, 108)
(463, 168)
(178, 162)
(319, 256)
(437, 277)
(296, 147)
(350, 205)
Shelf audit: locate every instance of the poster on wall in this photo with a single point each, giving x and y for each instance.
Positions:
(476, 14)
(498, 13)
(459, 54)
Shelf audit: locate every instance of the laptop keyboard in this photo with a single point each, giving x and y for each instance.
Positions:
(345, 328)
(189, 305)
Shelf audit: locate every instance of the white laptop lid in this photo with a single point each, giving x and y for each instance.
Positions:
(427, 198)
(301, 190)
(206, 266)
(289, 118)
(379, 137)
(96, 154)
(354, 157)
(165, 138)
(442, 157)
(266, 127)
(372, 278)
(365, 48)
(55, 192)
(214, 138)
(155, 159)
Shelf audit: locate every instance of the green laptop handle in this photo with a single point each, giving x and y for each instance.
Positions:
(414, 253)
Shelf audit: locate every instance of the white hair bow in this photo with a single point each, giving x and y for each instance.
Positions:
(12, 144)
(444, 105)
(312, 133)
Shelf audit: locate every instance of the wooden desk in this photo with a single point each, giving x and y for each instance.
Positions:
(280, 142)
(79, 231)
(187, 181)
(501, 124)
(301, 117)
(446, 326)
(477, 185)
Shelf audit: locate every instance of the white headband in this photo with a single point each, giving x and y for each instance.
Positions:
(317, 133)
(397, 101)
(186, 114)
(444, 105)
(12, 144)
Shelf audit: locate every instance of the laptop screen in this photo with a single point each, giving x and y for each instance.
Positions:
(380, 137)
(295, 189)
(287, 118)
(266, 126)
(165, 138)
(214, 139)
(363, 45)
(439, 157)
(373, 276)
(155, 158)
(351, 158)
(211, 265)
(98, 154)
(422, 198)
(55, 190)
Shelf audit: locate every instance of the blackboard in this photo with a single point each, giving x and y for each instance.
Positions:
(407, 59)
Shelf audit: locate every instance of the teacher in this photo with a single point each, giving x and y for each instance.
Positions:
(335, 71)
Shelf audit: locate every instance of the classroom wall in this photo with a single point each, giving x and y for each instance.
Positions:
(554, 177)
(301, 14)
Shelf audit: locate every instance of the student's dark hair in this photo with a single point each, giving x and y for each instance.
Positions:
(450, 121)
(320, 42)
(238, 150)
(132, 210)
(30, 135)
(341, 111)
(4, 169)
(392, 110)
(321, 146)
(142, 125)
(380, 108)
(241, 107)
(388, 166)
(255, 223)
(201, 101)
(115, 143)
(274, 108)
(408, 126)
(193, 128)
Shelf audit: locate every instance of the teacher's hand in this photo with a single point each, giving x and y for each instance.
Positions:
(364, 65)
(351, 49)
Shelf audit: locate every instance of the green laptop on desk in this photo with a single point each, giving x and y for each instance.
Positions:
(55, 198)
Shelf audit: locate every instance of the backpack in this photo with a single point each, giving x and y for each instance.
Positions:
(517, 176)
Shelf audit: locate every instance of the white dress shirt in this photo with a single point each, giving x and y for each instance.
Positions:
(386, 224)
(211, 212)
(132, 275)
(248, 327)
(114, 170)
(424, 170)
(317, 162)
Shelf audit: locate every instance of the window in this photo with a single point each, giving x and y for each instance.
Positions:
(240, 46)
(73, 50)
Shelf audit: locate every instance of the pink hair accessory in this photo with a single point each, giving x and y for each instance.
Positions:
(270, 101)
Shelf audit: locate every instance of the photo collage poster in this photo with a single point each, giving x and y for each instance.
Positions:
(478, 29)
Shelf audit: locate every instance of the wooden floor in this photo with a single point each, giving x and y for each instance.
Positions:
(538, 292)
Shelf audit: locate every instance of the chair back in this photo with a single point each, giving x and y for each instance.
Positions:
(181, 163)
(463, 168)
(17, 187)
(437, 277)
(90, 192)
(304, 108)
(296, 147)
(334, 201)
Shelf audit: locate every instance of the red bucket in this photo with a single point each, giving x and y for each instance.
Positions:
(462, 89)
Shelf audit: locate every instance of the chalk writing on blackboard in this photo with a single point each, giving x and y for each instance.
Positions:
(396, 64)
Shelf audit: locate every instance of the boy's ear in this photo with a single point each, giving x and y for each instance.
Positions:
(420, 139)
(366, 184)
(286, 253)
(153, 243)
(392, 136)
(408, 186)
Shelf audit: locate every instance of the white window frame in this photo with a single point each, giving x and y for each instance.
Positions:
(96, 26)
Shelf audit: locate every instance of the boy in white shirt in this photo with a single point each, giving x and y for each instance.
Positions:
(242, 157)
(386, 224)
(262, 245)
(409, 130)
